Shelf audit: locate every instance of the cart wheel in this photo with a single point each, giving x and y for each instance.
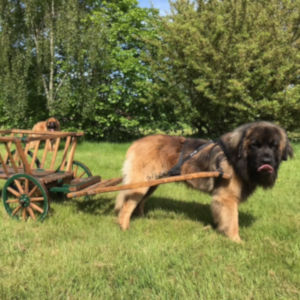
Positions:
(80, 170)
(25, 197)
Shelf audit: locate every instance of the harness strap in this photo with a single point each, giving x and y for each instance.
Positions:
(176, 170)
(224, 149)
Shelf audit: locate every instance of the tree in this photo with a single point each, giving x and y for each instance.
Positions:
(229, 62)
(82, 61)
(13, 91)
(34, 35)
(110, 88)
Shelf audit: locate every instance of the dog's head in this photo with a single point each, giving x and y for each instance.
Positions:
(52, 124)
(258, 149)
(266, 145)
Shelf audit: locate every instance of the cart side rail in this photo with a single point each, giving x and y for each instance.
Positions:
(21, 149)
(29, 135)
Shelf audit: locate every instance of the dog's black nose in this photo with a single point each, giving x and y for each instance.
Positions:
(266, 159)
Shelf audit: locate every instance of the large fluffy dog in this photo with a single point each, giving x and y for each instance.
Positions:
(251, 154)
(50, 124)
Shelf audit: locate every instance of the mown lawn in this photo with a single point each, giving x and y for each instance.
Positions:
(78, 252)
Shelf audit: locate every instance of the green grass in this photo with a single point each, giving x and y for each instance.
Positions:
(78, 252)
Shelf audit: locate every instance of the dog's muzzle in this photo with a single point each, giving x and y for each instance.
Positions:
(51, 126)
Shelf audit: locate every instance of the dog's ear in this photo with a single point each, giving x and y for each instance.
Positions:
(236, 141)
(241, 145)
(58, 124)
(287, 151)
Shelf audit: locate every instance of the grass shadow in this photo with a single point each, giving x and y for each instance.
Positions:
(95, 205)
(193, 210)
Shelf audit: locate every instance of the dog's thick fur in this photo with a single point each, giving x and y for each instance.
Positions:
(51, 124)
(251, 154)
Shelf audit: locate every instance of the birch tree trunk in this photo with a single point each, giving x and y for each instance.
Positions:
(45, 41)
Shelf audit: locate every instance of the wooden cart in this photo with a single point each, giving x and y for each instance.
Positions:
(33, 167)
(31, 173)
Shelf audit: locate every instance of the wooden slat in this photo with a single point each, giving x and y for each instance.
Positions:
(7, 139)
(36, 149)
(44, 157)
(149, 183)
(28, 131)
(42, 173)
(5, 131)
(56, 146)
(109, 182)
(3, 166)
(48, 144)
(23, 157)
(64, 157)
(35, 135)
(10, 171)
(80, 184)
(44, 133)
(71, 155)
(55, 177)
(26, 149)
(9, 142)
(11, 157)
(3, 176)
(16, 155)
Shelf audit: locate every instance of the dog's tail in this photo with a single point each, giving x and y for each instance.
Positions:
(126, 180)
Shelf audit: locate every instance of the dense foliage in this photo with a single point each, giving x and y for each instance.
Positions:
(229, 62)
(79, 61)
(116, 70)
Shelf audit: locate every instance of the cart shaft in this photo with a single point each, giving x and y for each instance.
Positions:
(98, 190)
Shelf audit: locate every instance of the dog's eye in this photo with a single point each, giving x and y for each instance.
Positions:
(273, 144)
(255, 145)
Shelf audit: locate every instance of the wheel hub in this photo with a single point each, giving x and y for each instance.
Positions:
(24, 200)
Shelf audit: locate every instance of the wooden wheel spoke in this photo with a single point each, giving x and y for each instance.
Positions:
(12, 201)
(16, 210)
(81, 175)
(24, 214)
(32, 191)
(19, 186)
(26, 186)
(31, 213)
(36, 207)
(13, 191)
(36, 199)
(75, 171)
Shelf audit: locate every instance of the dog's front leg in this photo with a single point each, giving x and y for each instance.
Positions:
(225, 213)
